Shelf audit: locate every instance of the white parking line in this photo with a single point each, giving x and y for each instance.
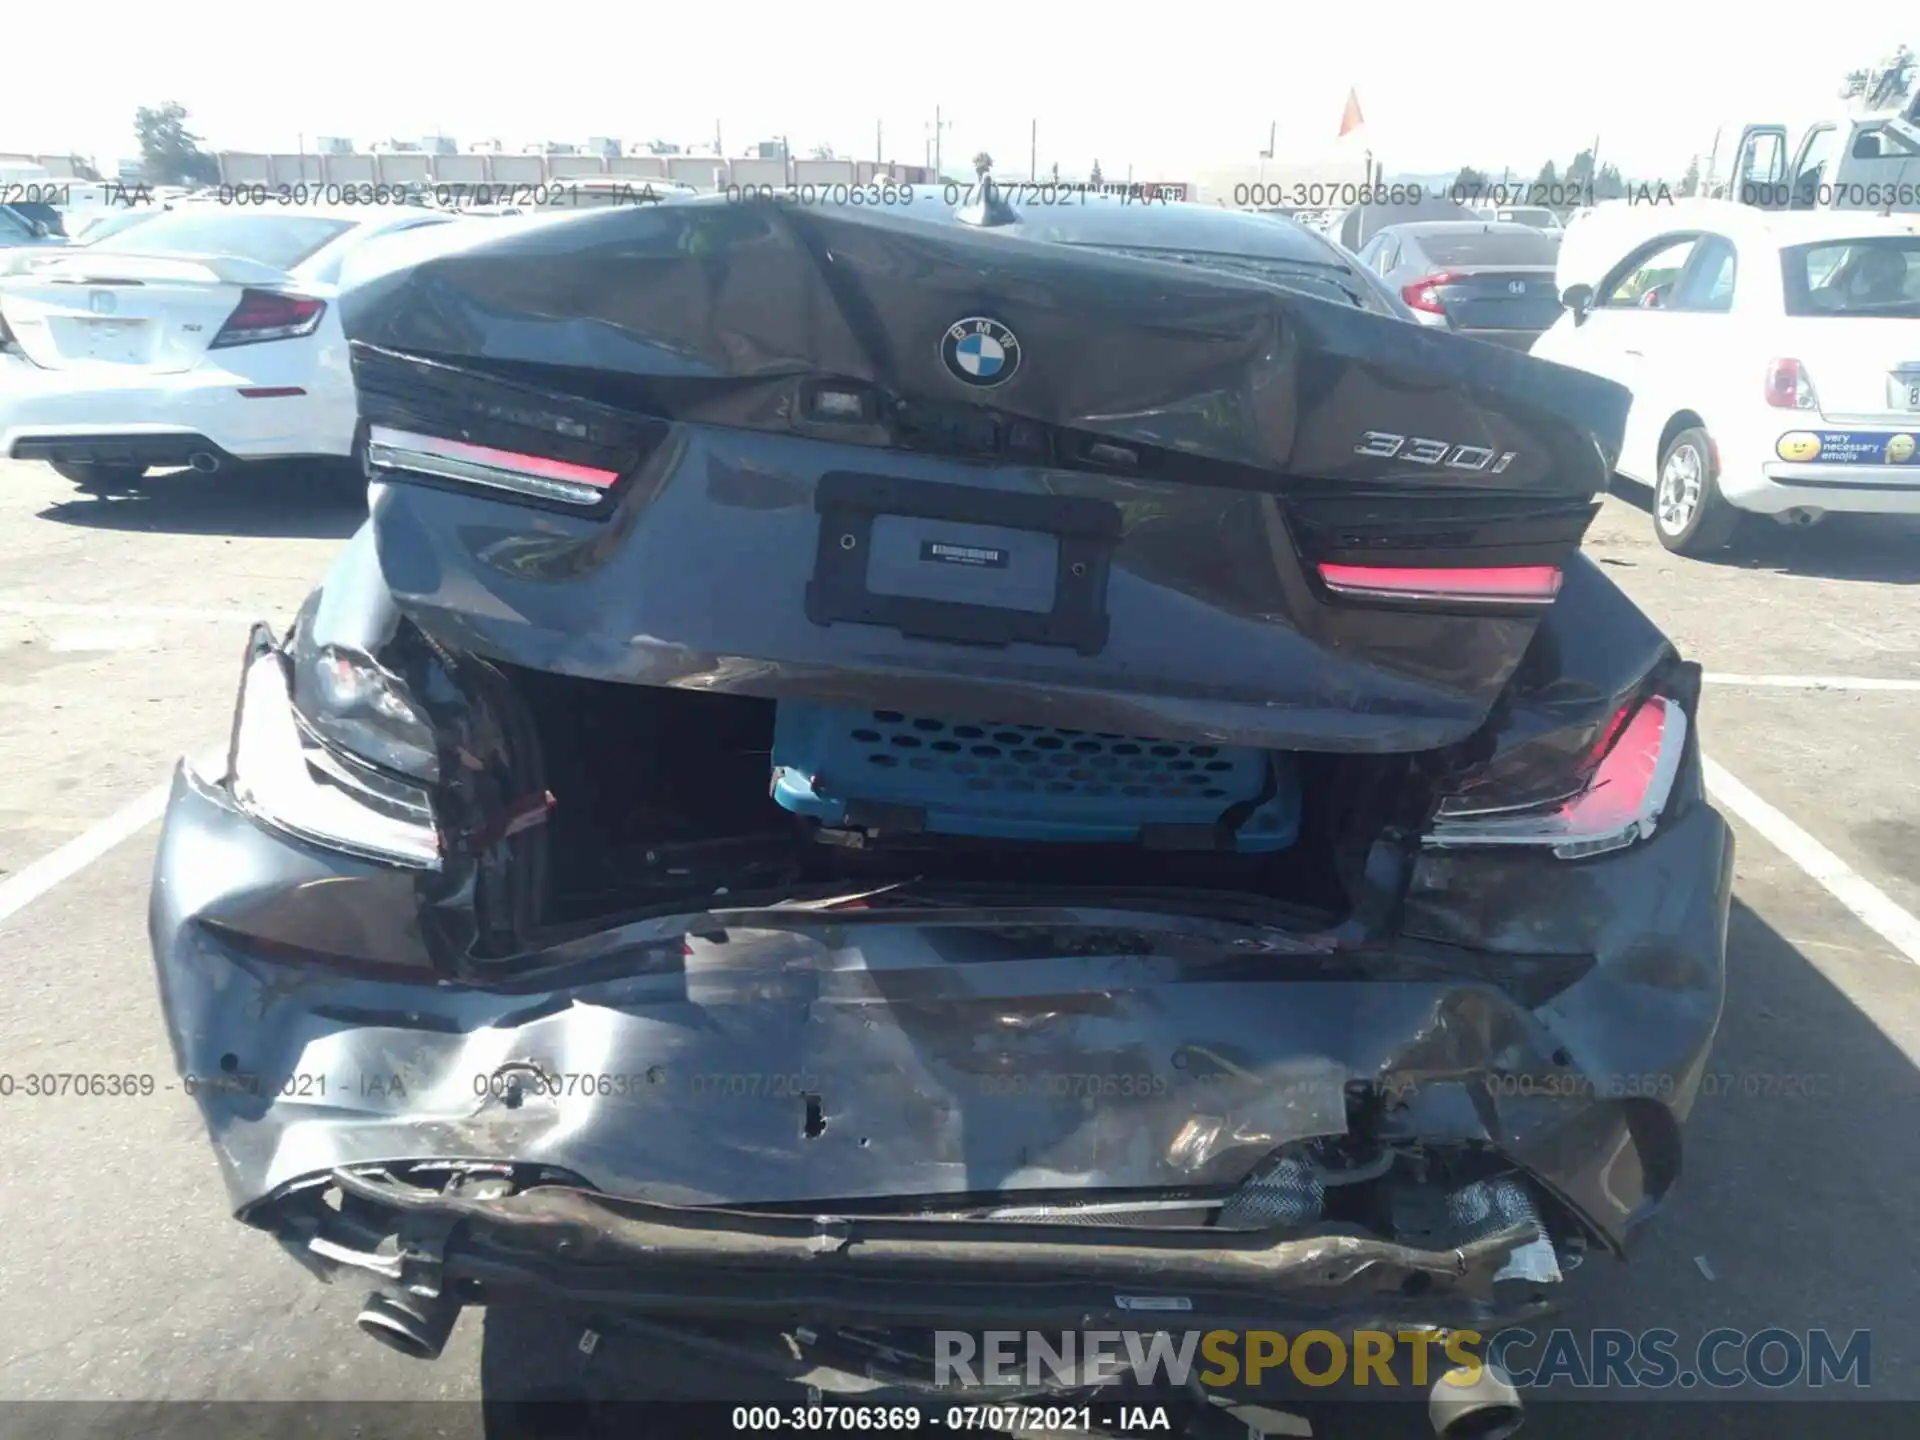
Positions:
(1867, 902)
(1811, 682)
(20, 890)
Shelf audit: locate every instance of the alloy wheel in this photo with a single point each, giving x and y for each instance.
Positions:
(1678, 498)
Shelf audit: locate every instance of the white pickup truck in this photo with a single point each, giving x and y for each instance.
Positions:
(1867, 158)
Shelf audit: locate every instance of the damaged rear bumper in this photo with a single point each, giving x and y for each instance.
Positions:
(553, 1243)
(1542, 1020)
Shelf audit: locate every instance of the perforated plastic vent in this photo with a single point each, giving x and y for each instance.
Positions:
(1030, 781)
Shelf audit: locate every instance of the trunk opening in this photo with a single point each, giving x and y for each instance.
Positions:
(663, 795)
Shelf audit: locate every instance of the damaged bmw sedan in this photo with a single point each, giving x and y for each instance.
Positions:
(948, 766)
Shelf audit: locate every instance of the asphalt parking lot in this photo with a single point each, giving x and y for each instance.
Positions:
(121, 626)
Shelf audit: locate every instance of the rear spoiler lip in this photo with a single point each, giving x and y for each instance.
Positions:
(75, 265)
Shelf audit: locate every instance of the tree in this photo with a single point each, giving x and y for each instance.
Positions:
(1056, 172)
(82, 168)
(823, 152)
(1093, 179)
(1547, 178)
(1580, 172)
(1608, 184)
(982, 163)
(1470, 185)
(171, 153)
(1690, 182)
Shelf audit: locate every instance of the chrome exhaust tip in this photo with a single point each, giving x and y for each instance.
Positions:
(1474, 1403)
(415, 1325)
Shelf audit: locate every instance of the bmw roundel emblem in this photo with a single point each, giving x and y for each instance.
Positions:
(980, 352)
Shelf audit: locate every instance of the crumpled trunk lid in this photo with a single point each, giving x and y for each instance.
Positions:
(1135, 529)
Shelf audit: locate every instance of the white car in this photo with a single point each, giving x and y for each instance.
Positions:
(1774, 359)
(201, 336)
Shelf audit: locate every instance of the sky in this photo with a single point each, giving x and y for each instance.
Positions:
(1165, 91)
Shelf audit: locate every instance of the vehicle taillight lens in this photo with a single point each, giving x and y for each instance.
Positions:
(1445, 585)
(1789, 387)
(1420, 294)
(289, 779)
(1639, 754)
(269, 315)
(444, 459)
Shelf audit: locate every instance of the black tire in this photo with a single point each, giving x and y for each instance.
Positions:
(99, 477)
(1690, 515)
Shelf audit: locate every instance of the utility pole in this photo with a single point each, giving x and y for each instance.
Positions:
(1273, 131)
(879, 142)
(1033, 153)
(935, 131)
(717, 150)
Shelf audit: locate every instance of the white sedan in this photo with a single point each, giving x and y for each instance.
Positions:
(1774, 360)
(201, 336)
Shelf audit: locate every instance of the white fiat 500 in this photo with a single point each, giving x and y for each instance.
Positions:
(1774, 359)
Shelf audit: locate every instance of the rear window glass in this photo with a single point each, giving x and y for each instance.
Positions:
(1878, 276)
(1491, 247)
(1529, 215)
(1320, 278)
(281, 241)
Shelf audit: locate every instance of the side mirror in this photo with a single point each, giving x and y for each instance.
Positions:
(1578, 299)
(41, 230)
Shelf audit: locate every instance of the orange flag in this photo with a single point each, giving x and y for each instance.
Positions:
(1351, 119)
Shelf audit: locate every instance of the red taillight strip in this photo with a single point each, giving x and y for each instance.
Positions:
(446, 459)
(264, 315)
(1441, 585)
(1621, 803)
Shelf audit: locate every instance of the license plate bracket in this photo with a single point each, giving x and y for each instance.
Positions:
(969, 544)
(117, 342)
(1903, 389)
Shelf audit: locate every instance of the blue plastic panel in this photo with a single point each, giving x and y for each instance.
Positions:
(1023, 782)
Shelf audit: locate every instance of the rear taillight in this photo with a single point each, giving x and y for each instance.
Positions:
(444, 459)
(1420, 294)
(1789, 387)
(269, 315)
(1638, 756)
(1445, 585)
(288, 778)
